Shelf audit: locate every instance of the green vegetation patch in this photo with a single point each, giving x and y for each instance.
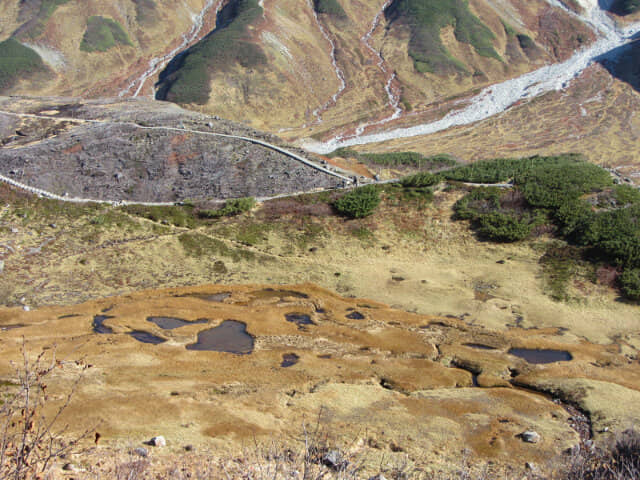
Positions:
(233, 206)
(398, 159)
(17, 62)
(329, 7)
(426, 19)
(557, 191)
(358, 203)
(186, 79)
(102, 34)
(179, 215)
(35, 26)
(501, 170)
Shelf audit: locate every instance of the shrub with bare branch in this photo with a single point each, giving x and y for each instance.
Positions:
(31, 440)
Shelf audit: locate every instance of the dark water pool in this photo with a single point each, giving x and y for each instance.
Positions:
(541, 356)
(230, 336)
(169, 323)
(269, 293)
(98, 322)
(300, 319)
(12, 326)
(146, 337)
(479, 346)
(289, 359)
(355, 316)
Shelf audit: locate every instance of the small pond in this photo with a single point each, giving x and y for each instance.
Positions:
(169, 323)
(269, 293)
(541, 356)
(289, 359)
(479, 346)
(300, 319)
(355, 316)
(230, 336)
(146, 337)
(98, 326)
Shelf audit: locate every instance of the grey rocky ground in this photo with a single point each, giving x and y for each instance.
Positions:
(104, 150)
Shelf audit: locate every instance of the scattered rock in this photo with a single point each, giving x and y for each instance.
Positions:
(70, 467)
(530, 436)
(378, 477)
(188, 448)
(53, 225)
(501, 262)
(141, 451)
(532, 467)
(26, 308)
(334, 459)
(14, 230)
(1, 266)
(158, 441)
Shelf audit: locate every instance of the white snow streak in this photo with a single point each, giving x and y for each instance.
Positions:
(158, 63)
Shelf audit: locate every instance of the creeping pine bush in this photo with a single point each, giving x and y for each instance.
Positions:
(234, 206)
(358, 203)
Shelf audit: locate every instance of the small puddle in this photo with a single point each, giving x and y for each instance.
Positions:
(355, 316)
(169, 323)
(98, 326)
(474, 380)
(300, 319)
(541, 356)
(230, 336)
(146, 337)
(269, 293)
(71, 315)
(479, 346)
(13, 326)
(289, 359)
(212, 297)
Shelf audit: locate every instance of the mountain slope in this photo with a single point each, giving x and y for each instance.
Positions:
(308, 66)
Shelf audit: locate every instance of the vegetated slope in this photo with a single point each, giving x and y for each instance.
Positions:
(112, 160)
(415, 51)
(317, 64)
(187, 78)
(94, 49)
(17, 63)
(102, 34)
(427, 19)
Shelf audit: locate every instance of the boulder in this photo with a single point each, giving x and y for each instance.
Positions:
(530, 436)
(158, 441)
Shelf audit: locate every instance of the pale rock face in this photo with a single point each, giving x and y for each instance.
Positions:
(530, 436)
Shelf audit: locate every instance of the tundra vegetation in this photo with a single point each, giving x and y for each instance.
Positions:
(186, 78)
(562, 193)
(17, 62)
(102, 34)
(426, 19)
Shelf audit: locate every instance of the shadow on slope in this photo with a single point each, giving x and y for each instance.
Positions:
(624, 63)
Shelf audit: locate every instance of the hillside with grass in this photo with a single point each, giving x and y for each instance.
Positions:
(426, 19)
(18, 63)
(102, 34)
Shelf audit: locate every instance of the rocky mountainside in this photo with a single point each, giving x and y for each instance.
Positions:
(143, 151)
(298, 63)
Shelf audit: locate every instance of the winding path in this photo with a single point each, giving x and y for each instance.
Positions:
(47, 194)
